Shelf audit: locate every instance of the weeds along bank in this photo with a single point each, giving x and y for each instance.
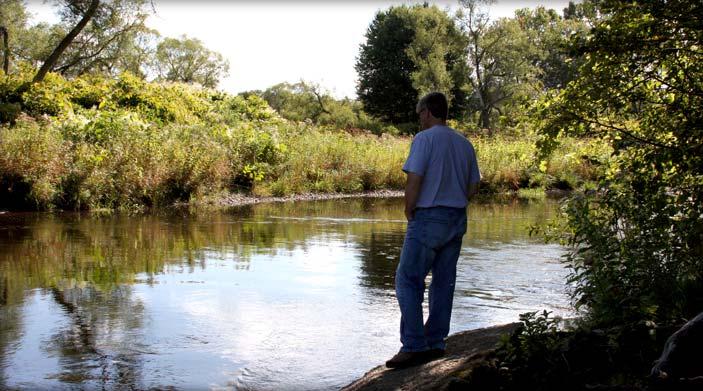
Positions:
(125, 143)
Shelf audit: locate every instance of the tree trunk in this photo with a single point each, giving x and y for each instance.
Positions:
(53, 58)
(680, 361)
(485, 120)
(6, 50)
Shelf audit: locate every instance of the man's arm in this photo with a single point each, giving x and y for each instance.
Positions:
(473, 189)
(412, 193)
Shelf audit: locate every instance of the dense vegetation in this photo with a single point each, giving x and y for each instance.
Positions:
(94, 142)
(636, 243)
(84, 128)
(490, 70)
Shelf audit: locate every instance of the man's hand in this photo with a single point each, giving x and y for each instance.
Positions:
(473, 190)
(412, 193)
(409, 213)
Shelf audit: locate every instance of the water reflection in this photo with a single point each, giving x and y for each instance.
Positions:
(380, 252)
(294, 295)
(99, 342)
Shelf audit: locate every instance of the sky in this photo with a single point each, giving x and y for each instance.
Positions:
(269, 42)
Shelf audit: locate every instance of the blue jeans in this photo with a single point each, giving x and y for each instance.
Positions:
(432, 242)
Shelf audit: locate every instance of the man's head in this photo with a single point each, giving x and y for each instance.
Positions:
(432, 109)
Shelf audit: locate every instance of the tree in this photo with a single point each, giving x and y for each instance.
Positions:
(76, 8)
(499, 54)
(116, 40)
(35, 44)
(13, 19)
(437, 50)
(550, 34)
(385, 87)
(408, 51)
(585, 11)
(636, 249)
(299, 101)
(305, 101)
(188, 60)
(5, 50)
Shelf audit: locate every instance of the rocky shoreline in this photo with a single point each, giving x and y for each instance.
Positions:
(465, 350)
(239, 199)
(615, 359)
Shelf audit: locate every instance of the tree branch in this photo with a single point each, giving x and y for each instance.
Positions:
(49, 63)
(107, 43)
(624, 131)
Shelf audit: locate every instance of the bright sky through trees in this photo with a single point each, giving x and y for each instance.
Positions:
(268, 42)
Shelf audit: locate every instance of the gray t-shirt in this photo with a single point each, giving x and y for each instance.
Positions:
(447, 162)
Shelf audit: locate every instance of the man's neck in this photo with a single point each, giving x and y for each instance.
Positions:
(435, 123)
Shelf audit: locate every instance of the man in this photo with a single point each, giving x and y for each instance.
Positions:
(442, 175)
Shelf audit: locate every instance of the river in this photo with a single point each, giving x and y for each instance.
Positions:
(280, 296)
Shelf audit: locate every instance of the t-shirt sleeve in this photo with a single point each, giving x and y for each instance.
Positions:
(474, 172)
(418, 158)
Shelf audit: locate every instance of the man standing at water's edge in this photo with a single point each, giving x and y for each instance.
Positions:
(442, 175)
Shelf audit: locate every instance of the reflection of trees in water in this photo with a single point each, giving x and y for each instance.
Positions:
(380, 252)
(505, 222)
(104, 255)
(10, 331)
(99, 345)
(38, 249)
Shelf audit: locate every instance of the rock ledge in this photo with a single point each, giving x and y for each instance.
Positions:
(464, 350)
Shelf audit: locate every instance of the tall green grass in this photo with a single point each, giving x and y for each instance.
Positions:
(512, 163)
(327, 160)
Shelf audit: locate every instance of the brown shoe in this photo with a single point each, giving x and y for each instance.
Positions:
(408, 359)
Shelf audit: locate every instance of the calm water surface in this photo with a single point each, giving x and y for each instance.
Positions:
(279, 296)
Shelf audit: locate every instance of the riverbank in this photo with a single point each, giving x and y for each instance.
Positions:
(533, 355)
(227, 200)
(241, 199)
(466, 350)
(149, 145)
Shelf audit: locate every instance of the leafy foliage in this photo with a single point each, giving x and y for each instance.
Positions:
(409, 50)
(32, 162)
(127, 143)
(187, 60)
(116, 39)
(545, 354)
(513, 60)
(549, 34)
(636, 244)
(304, 101)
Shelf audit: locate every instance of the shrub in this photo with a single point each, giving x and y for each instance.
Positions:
(505, 164)
(91, 91)
(197, 163)
(33, 157)
(255, 151)
(9, 112)
(50, 97)
(116, 156)
(129, 143)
